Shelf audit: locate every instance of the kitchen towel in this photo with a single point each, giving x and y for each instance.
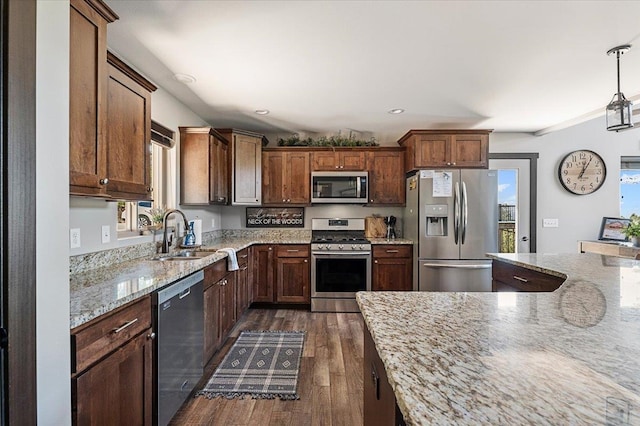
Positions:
(232, 259)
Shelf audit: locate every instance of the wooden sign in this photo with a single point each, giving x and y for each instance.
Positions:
(275, 217)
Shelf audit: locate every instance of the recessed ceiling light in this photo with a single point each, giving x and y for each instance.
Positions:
(262, 111)
(185, 78)
(396, 111)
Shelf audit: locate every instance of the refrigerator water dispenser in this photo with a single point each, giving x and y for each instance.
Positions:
(436, 215)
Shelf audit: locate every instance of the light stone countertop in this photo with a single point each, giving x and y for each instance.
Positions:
(517, 358)
(103, 289)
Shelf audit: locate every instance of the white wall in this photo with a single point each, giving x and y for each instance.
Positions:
(579, 215)
(52, 186)
(89, 214)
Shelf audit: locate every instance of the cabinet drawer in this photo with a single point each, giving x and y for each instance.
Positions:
(524, 279)
(214, 272)
(243, 257)
(381, 251)
(293, 250)
(91, 342)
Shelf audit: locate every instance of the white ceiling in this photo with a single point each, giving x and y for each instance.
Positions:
(330, 66)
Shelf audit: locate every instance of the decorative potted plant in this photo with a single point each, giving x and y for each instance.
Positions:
(633, 231)
(157, 215)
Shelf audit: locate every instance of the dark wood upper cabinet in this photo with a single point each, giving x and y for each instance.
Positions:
(203, 166)
(386, 176)
(109, 112)
(342, 160)
(128, 132)
(88, 80)
(286, 178)
(446, 149)
(245, 166)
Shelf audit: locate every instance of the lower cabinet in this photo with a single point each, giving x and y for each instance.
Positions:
(243, 283)
(281, 273)
(219, 306)
(392, 268)
(380, 408)
(509, 277)
(112, 368)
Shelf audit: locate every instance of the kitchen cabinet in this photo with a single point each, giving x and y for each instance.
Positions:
(509, 277)
(339, 160)
(128, 131)
(112, 367)
(219, 306)
(427, 149)
(203, 166)
(243, 283)
(88, 81)
(293, 274)
(380, 408)
(386, 176)
(281, 273)
(245, 166)
(286, 178)
(392, 268)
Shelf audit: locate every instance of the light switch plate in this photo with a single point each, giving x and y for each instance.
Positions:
(74, 238)
(549, 223)
(106, 234)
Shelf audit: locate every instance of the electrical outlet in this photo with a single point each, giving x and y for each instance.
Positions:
(74, 238)
(106, 234)
(549, 223)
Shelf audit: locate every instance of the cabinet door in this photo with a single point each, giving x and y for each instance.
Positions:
(211, 321)
(273, 164)
(379, 399)
(325, 161)
(118, 389)
(87, 99)
(298, 178)
(293, 280)
(386, 178)
(247, 170)
(196, 153)
(218, 164)
(242, 290)
(262, 273)
(351, 160)
(227, 306)
(392, 274)
(128, 136)
(470, 150)
(433, 151)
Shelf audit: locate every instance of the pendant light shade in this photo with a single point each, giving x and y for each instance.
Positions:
(619, 115)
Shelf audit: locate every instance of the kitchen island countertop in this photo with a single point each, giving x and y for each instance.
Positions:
(517, 358)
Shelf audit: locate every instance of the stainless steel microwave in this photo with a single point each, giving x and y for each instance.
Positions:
(339, 187)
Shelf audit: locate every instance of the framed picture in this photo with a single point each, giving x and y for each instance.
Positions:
(612, 229)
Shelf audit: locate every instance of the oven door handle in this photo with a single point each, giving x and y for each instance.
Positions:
(341, 253)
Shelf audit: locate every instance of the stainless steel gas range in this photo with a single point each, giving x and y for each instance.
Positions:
(340, 264)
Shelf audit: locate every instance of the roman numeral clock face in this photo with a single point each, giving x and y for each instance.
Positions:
(582, 172)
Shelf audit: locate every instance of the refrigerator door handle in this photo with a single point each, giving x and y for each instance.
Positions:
(464, 212)
(454, 265)
(456, 213)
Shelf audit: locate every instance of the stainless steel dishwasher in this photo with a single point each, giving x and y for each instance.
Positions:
(179, 325)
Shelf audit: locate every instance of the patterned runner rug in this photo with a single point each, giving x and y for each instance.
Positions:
(262, 364)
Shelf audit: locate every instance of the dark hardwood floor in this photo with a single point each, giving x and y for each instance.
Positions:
(330, 381)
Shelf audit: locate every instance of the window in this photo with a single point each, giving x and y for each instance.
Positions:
(629, 186)
(136, 216)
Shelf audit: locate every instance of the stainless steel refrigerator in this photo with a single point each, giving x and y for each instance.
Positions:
(452, 215)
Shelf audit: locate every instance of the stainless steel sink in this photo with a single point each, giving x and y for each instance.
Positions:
(183, 255)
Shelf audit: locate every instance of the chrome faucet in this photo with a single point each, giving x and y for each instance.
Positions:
(165, 242)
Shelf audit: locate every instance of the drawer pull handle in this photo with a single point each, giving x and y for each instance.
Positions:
(292, 251)
(245, 268)
(392, 251)
(524, 280)
(130, 323)
(244, 256)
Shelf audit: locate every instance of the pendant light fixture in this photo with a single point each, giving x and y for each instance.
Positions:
(619, 109)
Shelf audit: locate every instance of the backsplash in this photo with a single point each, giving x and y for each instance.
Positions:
(89, 261)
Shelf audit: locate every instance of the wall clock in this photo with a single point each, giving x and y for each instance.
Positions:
(582, 172)
(582, 304)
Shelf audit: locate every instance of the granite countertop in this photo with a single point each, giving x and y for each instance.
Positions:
(567, 357)
(101, 290)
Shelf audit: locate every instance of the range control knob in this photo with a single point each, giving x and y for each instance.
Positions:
(340, 246)
(354, 246)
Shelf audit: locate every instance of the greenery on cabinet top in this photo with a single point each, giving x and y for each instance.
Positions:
(326, 141)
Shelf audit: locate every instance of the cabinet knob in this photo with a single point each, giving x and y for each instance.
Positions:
(149, 189)
(337, 167)
(104, 181)
(342, 167)
(270, 248)
(306, 261)
(284, 200)
(448, 164)
(151, 336)
(288, 200)
(375, 261)
(371, 201)
(453, 163)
